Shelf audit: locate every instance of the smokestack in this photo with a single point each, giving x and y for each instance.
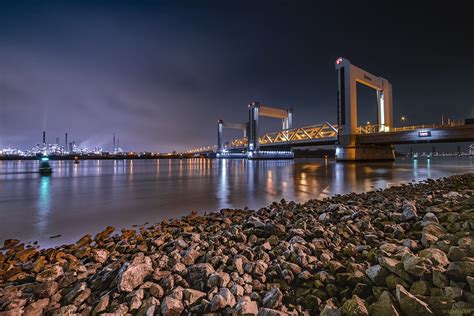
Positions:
(118, 143)
(113, 149)
(44, 137)
(57, 140)
(65, 141)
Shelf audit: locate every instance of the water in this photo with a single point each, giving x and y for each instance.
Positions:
(86, 197)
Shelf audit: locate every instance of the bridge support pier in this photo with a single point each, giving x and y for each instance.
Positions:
(365, 153)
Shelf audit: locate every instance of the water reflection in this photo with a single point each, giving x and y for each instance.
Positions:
(126, 192)
(44, 204)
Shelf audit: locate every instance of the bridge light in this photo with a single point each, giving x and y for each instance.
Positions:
(339, 61)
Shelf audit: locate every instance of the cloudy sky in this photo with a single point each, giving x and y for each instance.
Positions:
(161, 73)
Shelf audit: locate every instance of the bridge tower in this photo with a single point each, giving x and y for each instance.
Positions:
(255, 110)
(220, 127)
(348, 149)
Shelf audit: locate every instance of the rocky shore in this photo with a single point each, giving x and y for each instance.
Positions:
(406, 250)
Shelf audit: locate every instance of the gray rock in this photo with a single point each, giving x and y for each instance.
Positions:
(272, 298)
(409, 211)
(377, 274)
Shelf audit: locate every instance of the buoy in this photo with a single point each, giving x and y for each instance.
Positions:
(45, 168)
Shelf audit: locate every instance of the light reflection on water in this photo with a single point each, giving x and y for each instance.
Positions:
(85, 197)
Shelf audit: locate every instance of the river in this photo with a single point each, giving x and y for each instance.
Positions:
(86, 197)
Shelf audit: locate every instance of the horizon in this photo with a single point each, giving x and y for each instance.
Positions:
(161, 74)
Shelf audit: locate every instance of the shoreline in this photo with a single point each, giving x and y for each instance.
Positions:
(406, 249)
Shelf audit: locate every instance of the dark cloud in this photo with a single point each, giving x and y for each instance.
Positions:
(160, 73)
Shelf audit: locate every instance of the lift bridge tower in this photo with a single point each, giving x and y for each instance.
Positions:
(348, 149)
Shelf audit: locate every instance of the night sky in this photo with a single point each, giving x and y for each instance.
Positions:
(161, 73)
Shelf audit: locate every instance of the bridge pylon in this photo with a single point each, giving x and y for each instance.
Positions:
(348, 149)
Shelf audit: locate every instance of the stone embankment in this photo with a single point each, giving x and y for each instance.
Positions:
(406, 250)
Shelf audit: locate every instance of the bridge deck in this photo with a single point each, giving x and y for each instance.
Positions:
(463, 133)
(326, 134)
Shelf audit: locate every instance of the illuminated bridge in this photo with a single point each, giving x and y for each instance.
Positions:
(354, 143)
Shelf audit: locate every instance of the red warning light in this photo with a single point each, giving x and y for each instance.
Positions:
(339, 61)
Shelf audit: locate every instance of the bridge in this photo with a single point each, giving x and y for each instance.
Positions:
(353, 142)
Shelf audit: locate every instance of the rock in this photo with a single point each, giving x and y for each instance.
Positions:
(156, 290)
(260, 268)
(132, 275)
(272, 298)
(455, 253)
(36, 308)
(354, 307)
(104, 234)
(459, 270)
(263, 311)
(330, 309)
(149, 306)
(385, 305)
(50, 274)
(410, 305)
(101, 305)
(26, 254)
(79, 293)
(193, 296)
(453, 292)
(430, 217)
(420, 288)
(218, 302)
(45, 289)
(10, 243)
(99, 255)
(197, 274)
(219, 279)
(377, 274)
(246, 307)
(190, 256)
(228, 296)
(437, 257)
(409, 211)
(416, 266)
(171, 307)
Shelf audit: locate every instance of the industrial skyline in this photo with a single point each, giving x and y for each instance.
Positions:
(163, 73)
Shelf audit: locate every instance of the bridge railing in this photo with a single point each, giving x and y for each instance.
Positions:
(299, 134)
(375, 128)
(413, 127)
